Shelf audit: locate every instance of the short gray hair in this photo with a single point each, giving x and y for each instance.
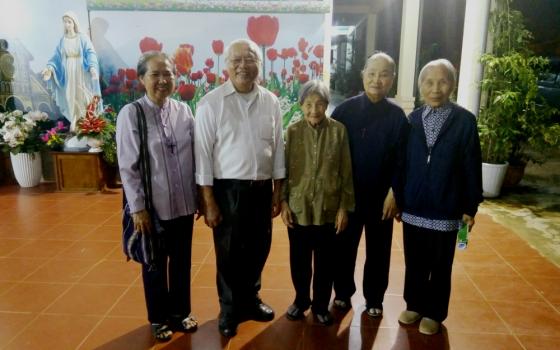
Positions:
(314, 87)
(253, 47)
(381, 55)
(142, 66)
(445, 64)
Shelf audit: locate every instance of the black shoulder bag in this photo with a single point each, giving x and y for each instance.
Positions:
(142, 248)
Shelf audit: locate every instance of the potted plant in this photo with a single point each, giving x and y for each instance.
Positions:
(515, 123)
(20, 135)
(109, 147)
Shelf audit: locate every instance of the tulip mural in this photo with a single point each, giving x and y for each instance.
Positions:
(299, 62)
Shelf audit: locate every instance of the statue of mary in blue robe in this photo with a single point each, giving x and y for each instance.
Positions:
(73, 72)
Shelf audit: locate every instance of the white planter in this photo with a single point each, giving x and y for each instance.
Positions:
(94, 145)
(492, 179)
(27, 168)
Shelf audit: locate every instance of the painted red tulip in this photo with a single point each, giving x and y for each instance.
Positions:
(114, 80)
(296, 63)
(284, 54)
(187, 91)
(131, 74)
(263, 29)
(150, 44)
(121, 74)
(302, 68)
(194, 76)
(303, 78)
(206, 70)
(210, 78)
(302, 44)
(188, 46)
(272, 54)
(304, 55)
(209, 63)
(218, 47)
(183, 59)
(318, 51)
(292, 52)
(129, 84)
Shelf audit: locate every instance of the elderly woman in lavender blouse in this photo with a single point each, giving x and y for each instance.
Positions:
(170, 126)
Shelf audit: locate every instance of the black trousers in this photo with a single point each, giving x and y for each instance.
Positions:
(428, 256)
(167, 289)
(317, 243)
(379, 234)
(241, 241)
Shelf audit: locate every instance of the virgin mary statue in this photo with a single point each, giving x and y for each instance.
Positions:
(73, 72)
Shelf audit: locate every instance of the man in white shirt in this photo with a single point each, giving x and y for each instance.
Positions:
(239, 156)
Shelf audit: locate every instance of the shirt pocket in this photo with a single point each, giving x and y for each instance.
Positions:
(266, 131)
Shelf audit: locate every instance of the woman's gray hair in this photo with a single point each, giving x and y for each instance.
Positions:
(445, 64)
(314, 87)
(142, 66)
(253, 47)
(381, 55)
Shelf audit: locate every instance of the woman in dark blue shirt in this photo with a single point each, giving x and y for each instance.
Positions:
(442, 190)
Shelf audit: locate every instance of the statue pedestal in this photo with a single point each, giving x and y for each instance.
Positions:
(79, 171)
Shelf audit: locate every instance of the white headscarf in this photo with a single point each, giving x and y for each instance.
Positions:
(74, 18)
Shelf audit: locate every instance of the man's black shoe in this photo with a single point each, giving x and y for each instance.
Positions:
(227, 326)
(262, 312)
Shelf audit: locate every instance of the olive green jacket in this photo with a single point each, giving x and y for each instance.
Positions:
(319, 172)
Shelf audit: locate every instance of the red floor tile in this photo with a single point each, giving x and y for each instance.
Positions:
(504, 294)
(70, 331)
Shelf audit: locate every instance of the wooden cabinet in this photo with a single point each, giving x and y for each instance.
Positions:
(78, 171)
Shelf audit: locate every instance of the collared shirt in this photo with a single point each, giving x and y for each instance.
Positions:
(171, 157)
(432, 121)
(236, 139)
(319, 172)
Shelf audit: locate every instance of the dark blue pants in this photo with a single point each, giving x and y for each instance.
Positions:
(169, 298)
(379, 234)
(428, 256)
(317, 243)
(241, 241)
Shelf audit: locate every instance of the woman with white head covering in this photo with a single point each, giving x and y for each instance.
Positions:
(75, 71)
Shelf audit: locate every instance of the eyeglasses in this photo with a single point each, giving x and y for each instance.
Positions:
(236, 61)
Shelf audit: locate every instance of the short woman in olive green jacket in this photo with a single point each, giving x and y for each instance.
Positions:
(317, 194)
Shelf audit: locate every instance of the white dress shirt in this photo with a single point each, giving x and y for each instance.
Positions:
(238, 138)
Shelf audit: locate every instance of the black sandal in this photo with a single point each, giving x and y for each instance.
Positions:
(161, 332)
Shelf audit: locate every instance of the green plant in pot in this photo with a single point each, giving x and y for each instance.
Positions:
(515, 123)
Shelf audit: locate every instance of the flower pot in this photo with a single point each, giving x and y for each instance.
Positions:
(27, 168)
(94, 145)
(492, 179)
(514, 174)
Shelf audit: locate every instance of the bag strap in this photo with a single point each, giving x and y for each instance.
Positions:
(144, 156)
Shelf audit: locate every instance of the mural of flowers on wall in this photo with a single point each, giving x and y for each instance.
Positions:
(299, 62)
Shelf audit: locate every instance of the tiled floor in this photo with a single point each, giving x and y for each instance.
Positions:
(64, 284)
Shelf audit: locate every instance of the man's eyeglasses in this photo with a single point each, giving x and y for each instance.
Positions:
(236, 61)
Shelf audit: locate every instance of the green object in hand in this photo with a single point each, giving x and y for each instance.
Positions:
(463, 236)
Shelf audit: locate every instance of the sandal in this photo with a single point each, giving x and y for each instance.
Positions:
(189, 325)
(324, 318)
(161, 332)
